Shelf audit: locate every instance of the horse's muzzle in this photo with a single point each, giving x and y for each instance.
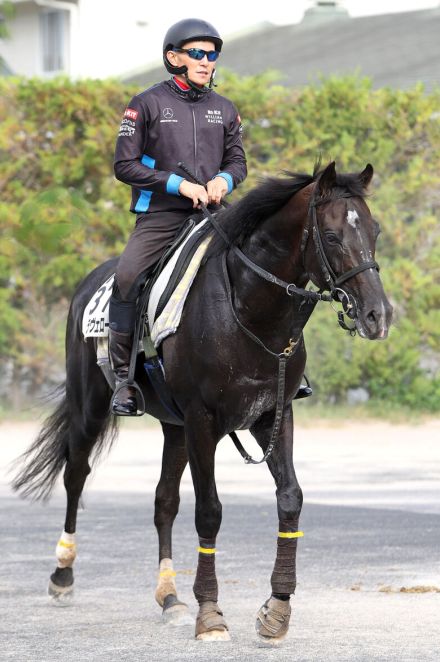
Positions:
(373, 322)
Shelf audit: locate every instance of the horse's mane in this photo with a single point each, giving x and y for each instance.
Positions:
(241, 219)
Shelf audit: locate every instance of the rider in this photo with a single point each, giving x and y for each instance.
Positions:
(179, 120)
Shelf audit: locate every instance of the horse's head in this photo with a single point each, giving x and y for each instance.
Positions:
(341, 255)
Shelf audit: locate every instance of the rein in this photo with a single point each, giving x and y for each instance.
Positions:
(283, 356)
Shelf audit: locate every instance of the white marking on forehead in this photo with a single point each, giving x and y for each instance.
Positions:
(352, 217)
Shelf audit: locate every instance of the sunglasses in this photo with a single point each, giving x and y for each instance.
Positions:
(198, 53)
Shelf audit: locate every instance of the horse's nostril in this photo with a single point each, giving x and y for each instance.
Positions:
(372, 317)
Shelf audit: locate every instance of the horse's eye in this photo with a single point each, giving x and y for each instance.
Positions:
(332, 238)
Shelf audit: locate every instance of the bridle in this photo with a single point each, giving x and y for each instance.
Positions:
(333, 282)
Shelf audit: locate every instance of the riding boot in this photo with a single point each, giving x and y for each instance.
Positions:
(120, 344)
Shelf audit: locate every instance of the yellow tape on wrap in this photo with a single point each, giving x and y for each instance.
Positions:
(207, 550)
(167, 573)
(63, 543)
(290, 534)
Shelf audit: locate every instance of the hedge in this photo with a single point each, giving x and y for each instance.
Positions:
(62, 212)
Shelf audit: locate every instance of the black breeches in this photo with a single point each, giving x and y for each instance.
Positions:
(149, 239)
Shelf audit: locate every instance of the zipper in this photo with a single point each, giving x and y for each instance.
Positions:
(195, 142)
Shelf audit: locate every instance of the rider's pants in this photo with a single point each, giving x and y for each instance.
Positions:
(151, 235)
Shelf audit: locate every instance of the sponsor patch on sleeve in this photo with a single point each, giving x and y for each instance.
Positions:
(131, 114)
(128, 123)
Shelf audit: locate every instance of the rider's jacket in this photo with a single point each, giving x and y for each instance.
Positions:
(164, 126)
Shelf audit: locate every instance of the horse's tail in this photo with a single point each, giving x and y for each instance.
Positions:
(40, 465)
(44, 459)
(81, 421)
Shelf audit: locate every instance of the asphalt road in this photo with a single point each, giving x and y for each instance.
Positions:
(352, 563)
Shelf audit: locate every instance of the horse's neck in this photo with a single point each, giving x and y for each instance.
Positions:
(276, 247)
(276, 244)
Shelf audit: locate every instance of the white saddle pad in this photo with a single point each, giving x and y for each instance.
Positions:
(164, 277)
(168, 321)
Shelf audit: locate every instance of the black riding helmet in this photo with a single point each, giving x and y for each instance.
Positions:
(189, 29)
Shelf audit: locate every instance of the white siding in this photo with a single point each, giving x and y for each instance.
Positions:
(22, 50)
(101, 38)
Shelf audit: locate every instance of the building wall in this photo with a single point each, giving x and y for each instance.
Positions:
(22, 49)
(102, 39)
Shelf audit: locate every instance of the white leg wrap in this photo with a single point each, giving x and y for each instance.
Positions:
(166, 584)
(66, 550)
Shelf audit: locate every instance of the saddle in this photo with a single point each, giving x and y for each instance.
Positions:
(161, 301)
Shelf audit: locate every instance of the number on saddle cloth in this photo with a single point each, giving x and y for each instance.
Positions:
(95, 317)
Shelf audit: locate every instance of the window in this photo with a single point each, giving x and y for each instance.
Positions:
(52, 28)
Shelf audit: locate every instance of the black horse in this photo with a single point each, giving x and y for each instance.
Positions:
(235, 363)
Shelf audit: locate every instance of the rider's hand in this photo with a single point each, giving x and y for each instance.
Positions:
(217, 188)
(195, 192)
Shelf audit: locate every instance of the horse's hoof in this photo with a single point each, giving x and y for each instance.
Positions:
(268, 642)
(61, 596)
(210, 624)
(214, 635)
(176, 613)
(272, 622)
(60, 586)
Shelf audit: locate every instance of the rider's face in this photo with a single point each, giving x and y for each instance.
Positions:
(199, 71)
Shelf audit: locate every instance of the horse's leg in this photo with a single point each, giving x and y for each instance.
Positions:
(75, 473)
(88, 419)
(202, 439)
(166, 507)
(273, 617)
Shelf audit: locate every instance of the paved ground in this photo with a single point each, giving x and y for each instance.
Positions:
(372, 526)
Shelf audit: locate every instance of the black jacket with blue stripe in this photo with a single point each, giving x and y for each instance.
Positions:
(163, 126)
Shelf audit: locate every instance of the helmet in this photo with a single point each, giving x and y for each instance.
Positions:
(189, 29)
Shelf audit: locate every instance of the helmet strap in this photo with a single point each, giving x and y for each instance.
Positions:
(194, 87)
(175, 71)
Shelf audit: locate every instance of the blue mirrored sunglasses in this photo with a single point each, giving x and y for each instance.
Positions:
(198, 53)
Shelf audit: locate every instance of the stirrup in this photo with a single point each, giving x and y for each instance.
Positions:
(304, 391)
(140, 410)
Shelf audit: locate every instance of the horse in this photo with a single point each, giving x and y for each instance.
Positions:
(236, 362)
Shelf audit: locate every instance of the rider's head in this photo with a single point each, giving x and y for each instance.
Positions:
(190, 49)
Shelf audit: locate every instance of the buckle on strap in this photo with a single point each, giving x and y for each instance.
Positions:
(288, 351)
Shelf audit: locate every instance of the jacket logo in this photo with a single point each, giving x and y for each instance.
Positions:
(214, 116)
(168, 114)
(131, 114)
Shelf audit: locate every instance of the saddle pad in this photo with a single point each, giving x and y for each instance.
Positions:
(164, 277)
(169, 319)
(95, 317)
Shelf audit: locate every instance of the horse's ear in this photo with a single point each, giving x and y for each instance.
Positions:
(366, 175)
(327, 179)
